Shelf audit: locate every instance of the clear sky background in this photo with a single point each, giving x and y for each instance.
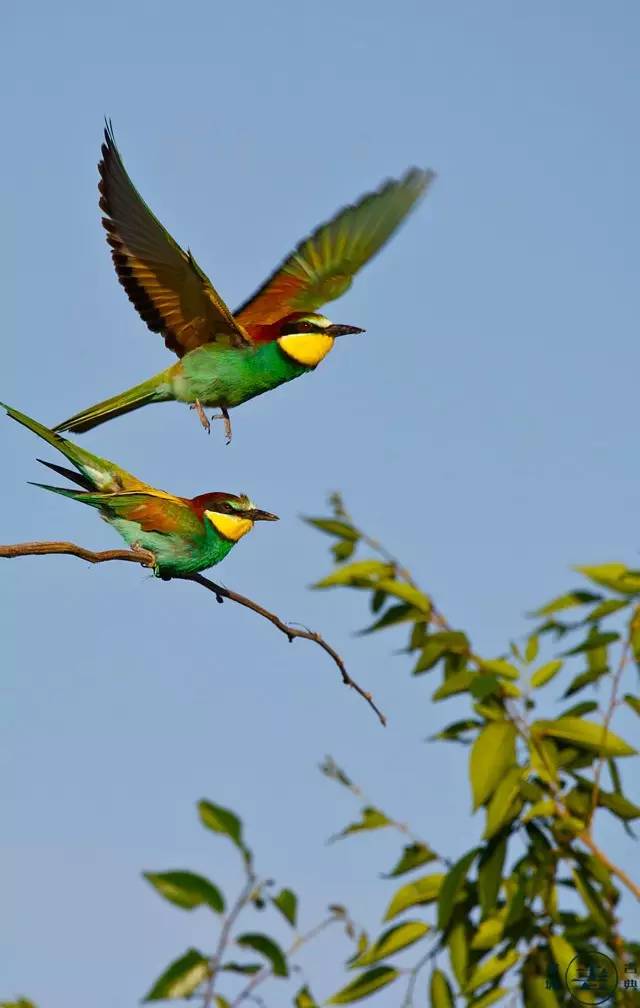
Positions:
(485, 427)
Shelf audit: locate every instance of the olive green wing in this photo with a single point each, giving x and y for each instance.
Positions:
(152, 512)
(165, 284)
(323, 265)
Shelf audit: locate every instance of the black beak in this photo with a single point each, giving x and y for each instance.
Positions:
(342, 330)
(257, 515)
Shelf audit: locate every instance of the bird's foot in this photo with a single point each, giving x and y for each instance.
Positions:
(204, 420)
(224, 415)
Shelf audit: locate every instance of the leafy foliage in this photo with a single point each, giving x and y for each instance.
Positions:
(509, 915)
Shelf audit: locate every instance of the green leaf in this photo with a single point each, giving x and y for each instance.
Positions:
(459, 682)
(372, 818)
(545, 673)
(594, 640)
(584, 679)
(586, 707)
(335, 528)
(394, 615)
(412, 857)
(562, 953)
(242, 969)
(407, 593)
(439, 990)
(393, 940)
(490, 867)
(439, 644)
(490, 969)
(343, 550)
(181, 978)
(492, 753)
(221, 1002)
(568, 601)
(488, 934)
(613, 575)
(423, 890)
(331, 770)
(584, 734)
(505, 803)
(453, 882)
(619, 805)
(632, 702)
(287, 903)
(458, 942)
(268, 948)
(304, 999)
(531, 649)
(20, 1003)
(453, 731)
(499, 667)
(606, 608)
(364, 985)
(186, 890)
(221, 820)
(361, 574)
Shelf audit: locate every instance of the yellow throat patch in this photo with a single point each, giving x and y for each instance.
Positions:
(306, 348)
(231, 527)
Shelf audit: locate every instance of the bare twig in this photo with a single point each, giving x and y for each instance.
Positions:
(225, 934)
(288, 630)
(267, 971)
(147, 559)
(143, 557)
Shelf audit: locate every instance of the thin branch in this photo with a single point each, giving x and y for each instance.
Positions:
(613, 700)
(140, 556)
(267, 971)
(289, 631)
(147, 559)
(223, 940)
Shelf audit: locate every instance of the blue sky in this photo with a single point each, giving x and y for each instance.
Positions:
(484, 427)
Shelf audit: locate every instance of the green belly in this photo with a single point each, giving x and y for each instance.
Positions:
(219, 376)
(174, 553)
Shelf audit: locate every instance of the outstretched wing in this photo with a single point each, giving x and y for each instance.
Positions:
(153, 512)
(166, 285)
(323, 265)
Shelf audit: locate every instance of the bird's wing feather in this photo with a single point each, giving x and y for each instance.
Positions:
(323, 265)
(167, 287)
(153, 512)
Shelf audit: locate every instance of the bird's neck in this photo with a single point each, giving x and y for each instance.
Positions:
(307, 349)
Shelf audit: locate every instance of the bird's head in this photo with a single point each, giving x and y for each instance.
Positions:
(308, 337)
(231, 516)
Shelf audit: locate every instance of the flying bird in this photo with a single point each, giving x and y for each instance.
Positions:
(276, 335)
(186, 535)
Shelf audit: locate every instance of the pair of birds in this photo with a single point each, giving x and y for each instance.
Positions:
(225, 358)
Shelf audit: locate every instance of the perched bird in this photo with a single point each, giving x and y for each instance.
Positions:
(277, 335)
(184, 534)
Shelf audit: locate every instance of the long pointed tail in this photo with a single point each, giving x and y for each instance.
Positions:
(156, 389)
(97, 473)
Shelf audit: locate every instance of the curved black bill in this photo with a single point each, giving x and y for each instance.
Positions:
(257, 515)
(342, 330)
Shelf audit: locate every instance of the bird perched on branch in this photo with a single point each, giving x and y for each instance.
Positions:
(277, 335)
(186, 535)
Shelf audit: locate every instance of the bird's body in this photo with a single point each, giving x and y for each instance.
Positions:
(275, 336)
(212, 375)
(185, 535)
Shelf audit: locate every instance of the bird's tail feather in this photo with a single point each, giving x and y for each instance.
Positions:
(156, 389)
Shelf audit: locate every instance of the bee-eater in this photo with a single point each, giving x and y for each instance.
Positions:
(184, 534)
(277, 335)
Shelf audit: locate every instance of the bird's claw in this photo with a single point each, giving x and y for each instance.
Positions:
(204, 420)
(224, 415)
